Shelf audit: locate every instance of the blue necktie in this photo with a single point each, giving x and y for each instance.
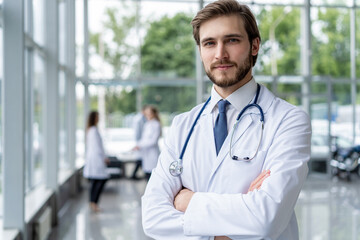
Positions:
(220, 129)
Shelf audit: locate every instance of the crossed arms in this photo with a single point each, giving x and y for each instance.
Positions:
(183, 198)
(172, 213)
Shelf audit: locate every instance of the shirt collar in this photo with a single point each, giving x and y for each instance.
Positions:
(238, 99)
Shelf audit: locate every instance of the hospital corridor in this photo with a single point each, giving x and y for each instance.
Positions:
(325, 210)
(179, 119)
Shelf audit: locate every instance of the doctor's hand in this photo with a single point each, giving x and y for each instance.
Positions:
(182, 199)
(256, 184)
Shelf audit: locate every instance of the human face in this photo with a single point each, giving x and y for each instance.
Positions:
(148, 113)
(226, 51)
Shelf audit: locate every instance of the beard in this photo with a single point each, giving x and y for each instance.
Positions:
(227, 81)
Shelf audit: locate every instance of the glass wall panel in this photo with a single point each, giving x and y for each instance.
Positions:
(27, 23)
(280, 41)
(93, 95)
(63, 158)
(320, 135)
(28, 62)
(277, 1)
(332, 2)
(38, 126)
(291, 92)
(168, 48)
(79, 38)
(170, 100)
(331, 42)
(357, 123)
(38, 21)
(1, 143)
(113, 39)
(343, 126)
(80, 125)
(62, 32)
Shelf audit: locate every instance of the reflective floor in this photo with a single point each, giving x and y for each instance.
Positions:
(326, 210)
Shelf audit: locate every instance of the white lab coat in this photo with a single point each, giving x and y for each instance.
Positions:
(221, 205)
(95, 166)
(148, 144)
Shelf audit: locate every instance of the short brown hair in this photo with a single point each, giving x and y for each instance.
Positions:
(225, 8)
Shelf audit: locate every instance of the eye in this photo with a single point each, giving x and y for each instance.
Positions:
(233, 40)
(208, 44)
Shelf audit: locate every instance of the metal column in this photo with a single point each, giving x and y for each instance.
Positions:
(51, 103)
(13, 115)
(86, 62)
(306, 55)
(199, 71)
(353, 66)
(71, 81)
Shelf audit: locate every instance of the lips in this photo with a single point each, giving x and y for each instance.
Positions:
(223, 67)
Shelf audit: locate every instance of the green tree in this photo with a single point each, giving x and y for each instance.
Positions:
(168, 50)
(287, 36)
(112, 44)
(331, 50)
(123, 101)
(330, 47)
(287, 39)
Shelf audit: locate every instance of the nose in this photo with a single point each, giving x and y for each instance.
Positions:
(221, 52)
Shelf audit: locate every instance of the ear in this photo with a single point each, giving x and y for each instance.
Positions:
(255, 46)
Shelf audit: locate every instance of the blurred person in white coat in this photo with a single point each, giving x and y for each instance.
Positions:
(95, 161)
(233, 167)
(148, 144)
(139, 122)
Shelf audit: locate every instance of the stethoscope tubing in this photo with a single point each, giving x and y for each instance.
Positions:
(176, 167)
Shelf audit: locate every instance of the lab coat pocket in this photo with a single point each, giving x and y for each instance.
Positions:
(243, 172)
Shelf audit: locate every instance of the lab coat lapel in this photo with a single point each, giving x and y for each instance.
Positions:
(208, 133)
(224, 151)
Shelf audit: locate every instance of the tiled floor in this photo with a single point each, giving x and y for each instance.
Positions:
(326, 210)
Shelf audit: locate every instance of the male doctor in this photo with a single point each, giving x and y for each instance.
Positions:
(217, 196)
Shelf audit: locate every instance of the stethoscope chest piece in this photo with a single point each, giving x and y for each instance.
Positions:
(176, 168)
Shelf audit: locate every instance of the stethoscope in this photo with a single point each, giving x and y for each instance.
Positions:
(176, 167)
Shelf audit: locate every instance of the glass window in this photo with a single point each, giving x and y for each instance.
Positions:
(28, 119)
(120, 101)
(357, 138)
(79, 37)
(93, 95)
(280, 41)
(37, 125)
(277, 1)
(38, 21)
(320, 134)
(168, 47)
(170, 100)
(331, 42)
(291, 92)
(62, 32)
(113, 39)
(332, 2)
(343, 113)
(80, 125)
(357, 24)
(1, 144)
(63, 157)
